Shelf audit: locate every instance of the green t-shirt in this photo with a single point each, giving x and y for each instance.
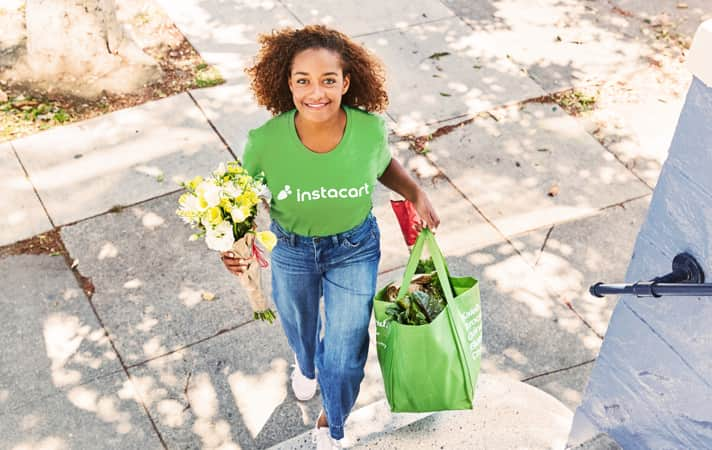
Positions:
(319, 194)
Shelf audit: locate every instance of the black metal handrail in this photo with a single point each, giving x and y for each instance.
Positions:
(686, 279)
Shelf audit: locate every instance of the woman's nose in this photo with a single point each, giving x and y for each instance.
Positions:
(316, 91)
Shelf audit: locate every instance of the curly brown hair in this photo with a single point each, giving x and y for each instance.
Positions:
(270, 75)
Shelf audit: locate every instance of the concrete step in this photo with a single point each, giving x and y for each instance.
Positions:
(507, 414)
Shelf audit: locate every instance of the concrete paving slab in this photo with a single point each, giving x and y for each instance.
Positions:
(225, 33)
(231, 391)
(525, 169)
(636, 120)
(525, 331)
(462, 229)
(567, 385)
(231, 108)
(121, 158)
(235, 389)
(531, 244)
(52, 341)
(440, 70)
(357, 18)
(507, 414)
(581, 253)
(149, 280)
(683, 20)
(104, 413)
(560, 43)
(21, 213)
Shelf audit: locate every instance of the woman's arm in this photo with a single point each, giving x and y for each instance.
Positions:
(397, 179)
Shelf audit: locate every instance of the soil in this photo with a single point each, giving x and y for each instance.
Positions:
(24, 112)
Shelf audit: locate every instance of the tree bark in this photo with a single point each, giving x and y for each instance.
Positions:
(79, 47)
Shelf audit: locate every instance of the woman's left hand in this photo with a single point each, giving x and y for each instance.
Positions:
(426, 212)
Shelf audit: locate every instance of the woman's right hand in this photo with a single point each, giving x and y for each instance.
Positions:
(236, 266)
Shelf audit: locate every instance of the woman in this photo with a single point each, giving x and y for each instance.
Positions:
(321, 156)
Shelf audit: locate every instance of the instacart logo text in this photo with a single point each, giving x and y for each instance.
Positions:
(324, 193)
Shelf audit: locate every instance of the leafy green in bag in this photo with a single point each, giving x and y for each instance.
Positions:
(424, 301)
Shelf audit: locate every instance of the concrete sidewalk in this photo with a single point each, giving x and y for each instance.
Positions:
(145, 362)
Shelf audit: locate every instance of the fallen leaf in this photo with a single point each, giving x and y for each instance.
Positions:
(438, 55)
(553, 190)
(477, 66)
(542, 149)
(558, 39)
(682, 6)
(445, 94)
(208, 296)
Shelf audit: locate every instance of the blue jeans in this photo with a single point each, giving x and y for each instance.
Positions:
(343, 268)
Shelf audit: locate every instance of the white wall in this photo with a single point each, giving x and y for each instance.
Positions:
(651, 386)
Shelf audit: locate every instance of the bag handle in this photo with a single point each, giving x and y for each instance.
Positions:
(426, 236)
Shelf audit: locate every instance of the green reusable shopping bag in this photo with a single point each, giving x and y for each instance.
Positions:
(431, 367)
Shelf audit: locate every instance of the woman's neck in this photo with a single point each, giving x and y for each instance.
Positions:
(321, 137)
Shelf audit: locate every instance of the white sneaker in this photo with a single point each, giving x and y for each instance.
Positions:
(304, 388)
(324, 441)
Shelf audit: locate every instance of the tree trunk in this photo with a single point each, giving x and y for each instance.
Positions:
(79, 47)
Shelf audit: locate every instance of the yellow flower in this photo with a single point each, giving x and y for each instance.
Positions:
(192, 184)
(214, 216)
(234, 167)
(248, 198)
(267, 238)
(226, 204)
(202, 202)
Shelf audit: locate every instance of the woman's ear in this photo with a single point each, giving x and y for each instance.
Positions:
(347, 83)
(289, 83)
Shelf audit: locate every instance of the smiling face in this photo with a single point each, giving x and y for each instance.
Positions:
(317, 83)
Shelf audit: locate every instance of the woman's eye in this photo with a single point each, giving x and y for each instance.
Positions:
(302, 81)
(329, 81)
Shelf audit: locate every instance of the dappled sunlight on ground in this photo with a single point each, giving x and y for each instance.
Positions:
(257, 396)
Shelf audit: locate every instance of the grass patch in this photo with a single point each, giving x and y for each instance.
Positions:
(575, 102)
(207, 76)
(22, 114)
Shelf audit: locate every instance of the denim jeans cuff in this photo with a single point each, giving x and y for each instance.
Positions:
(336, 431)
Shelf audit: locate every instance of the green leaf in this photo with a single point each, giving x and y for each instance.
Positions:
(445, 94)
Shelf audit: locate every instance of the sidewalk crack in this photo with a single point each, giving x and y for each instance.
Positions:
(551, 372)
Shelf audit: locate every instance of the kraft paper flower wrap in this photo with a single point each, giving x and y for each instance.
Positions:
(223, 208)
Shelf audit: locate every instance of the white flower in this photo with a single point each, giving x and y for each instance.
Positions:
(210, 192)
(263, 191)
(220, 171)
(232, 190)
(191, 203)
(238, 215)
(220, 238)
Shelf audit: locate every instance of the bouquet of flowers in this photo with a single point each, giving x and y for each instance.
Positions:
(223, 208)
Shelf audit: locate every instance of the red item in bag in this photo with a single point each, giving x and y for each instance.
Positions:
(407, 217)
